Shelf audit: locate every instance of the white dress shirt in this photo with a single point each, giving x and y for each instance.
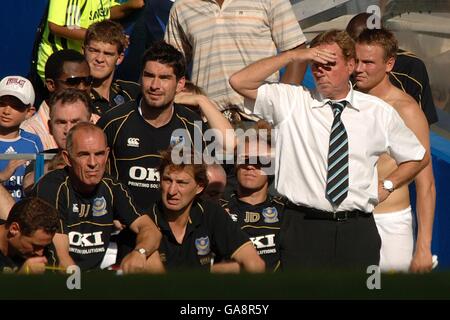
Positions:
(303, 120)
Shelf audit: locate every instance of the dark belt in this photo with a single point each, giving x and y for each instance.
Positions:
(311, 213)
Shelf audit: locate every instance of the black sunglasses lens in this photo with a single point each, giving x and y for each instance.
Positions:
(75, 81)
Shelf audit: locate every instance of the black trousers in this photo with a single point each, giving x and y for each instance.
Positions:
(306, 242)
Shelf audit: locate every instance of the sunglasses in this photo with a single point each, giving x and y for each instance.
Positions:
(259, 162)
(75, 81)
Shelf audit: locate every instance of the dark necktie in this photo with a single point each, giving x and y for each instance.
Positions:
(337, 178)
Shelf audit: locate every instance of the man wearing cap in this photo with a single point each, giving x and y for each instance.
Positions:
(16, 99)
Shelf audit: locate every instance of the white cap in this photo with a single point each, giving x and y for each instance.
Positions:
(18, 87)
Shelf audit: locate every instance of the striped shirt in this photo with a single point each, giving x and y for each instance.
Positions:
(38, 124)
(222, 40)
(74, 14)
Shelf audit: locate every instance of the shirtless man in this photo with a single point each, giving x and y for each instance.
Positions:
(375, 52)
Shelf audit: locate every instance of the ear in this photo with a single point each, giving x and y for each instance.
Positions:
(30, 112)
(180, 84)
(200, 189)
(351, 64)
(50, 84)
(390, 64)
(120, 59)
(14, 229)
(66, 158)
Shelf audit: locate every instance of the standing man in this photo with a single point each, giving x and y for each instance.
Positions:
(375, 53)
(88, 201)
(220, 37)
(104, 47)
(328, 144)
(194, 231)
(409, 73)
(24, 236)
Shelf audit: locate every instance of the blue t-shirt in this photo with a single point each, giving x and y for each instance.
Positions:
(26, 142)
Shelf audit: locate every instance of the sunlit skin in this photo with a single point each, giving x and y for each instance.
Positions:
(64, 117)
(102, 58)
(87, 159)
(159, 85)
(371, 67)
(28, 246)
(12, 113)
(179, 188)
(250, 176)
(332, 79)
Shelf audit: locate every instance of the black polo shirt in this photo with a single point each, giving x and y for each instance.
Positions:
(87, 219)
(262, 223)
(210, 232)
(120, 92)
(13, 264)
(135, 146)
(410, 75)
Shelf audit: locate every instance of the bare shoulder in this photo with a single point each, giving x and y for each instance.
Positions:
(405, 105)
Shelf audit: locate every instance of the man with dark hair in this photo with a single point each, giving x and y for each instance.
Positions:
(409, 72)
(138, 130)
(88, 201)
(194, 231)
(326, 155)
(64, 69)
(104, 47)
(29, 228)
(375, 53)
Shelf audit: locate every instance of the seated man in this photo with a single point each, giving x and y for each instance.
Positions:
(104, 47)
(64, 69)
(29, 228)
(67, 108)
(257, 213)
(217, 181)
(195, 230)
(88, 201)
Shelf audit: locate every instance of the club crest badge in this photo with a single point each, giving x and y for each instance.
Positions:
(202, 245)
(270, 215)
(175, 140)
(99, 207)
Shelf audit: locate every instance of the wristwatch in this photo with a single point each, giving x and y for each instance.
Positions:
(388, 185)
(142, 251)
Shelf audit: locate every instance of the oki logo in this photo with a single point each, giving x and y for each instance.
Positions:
(85, 239)
(141, 173)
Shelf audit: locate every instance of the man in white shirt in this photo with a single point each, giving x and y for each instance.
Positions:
(325, 164)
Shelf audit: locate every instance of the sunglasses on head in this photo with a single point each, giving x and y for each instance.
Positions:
(75, 81)
(259, 162)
